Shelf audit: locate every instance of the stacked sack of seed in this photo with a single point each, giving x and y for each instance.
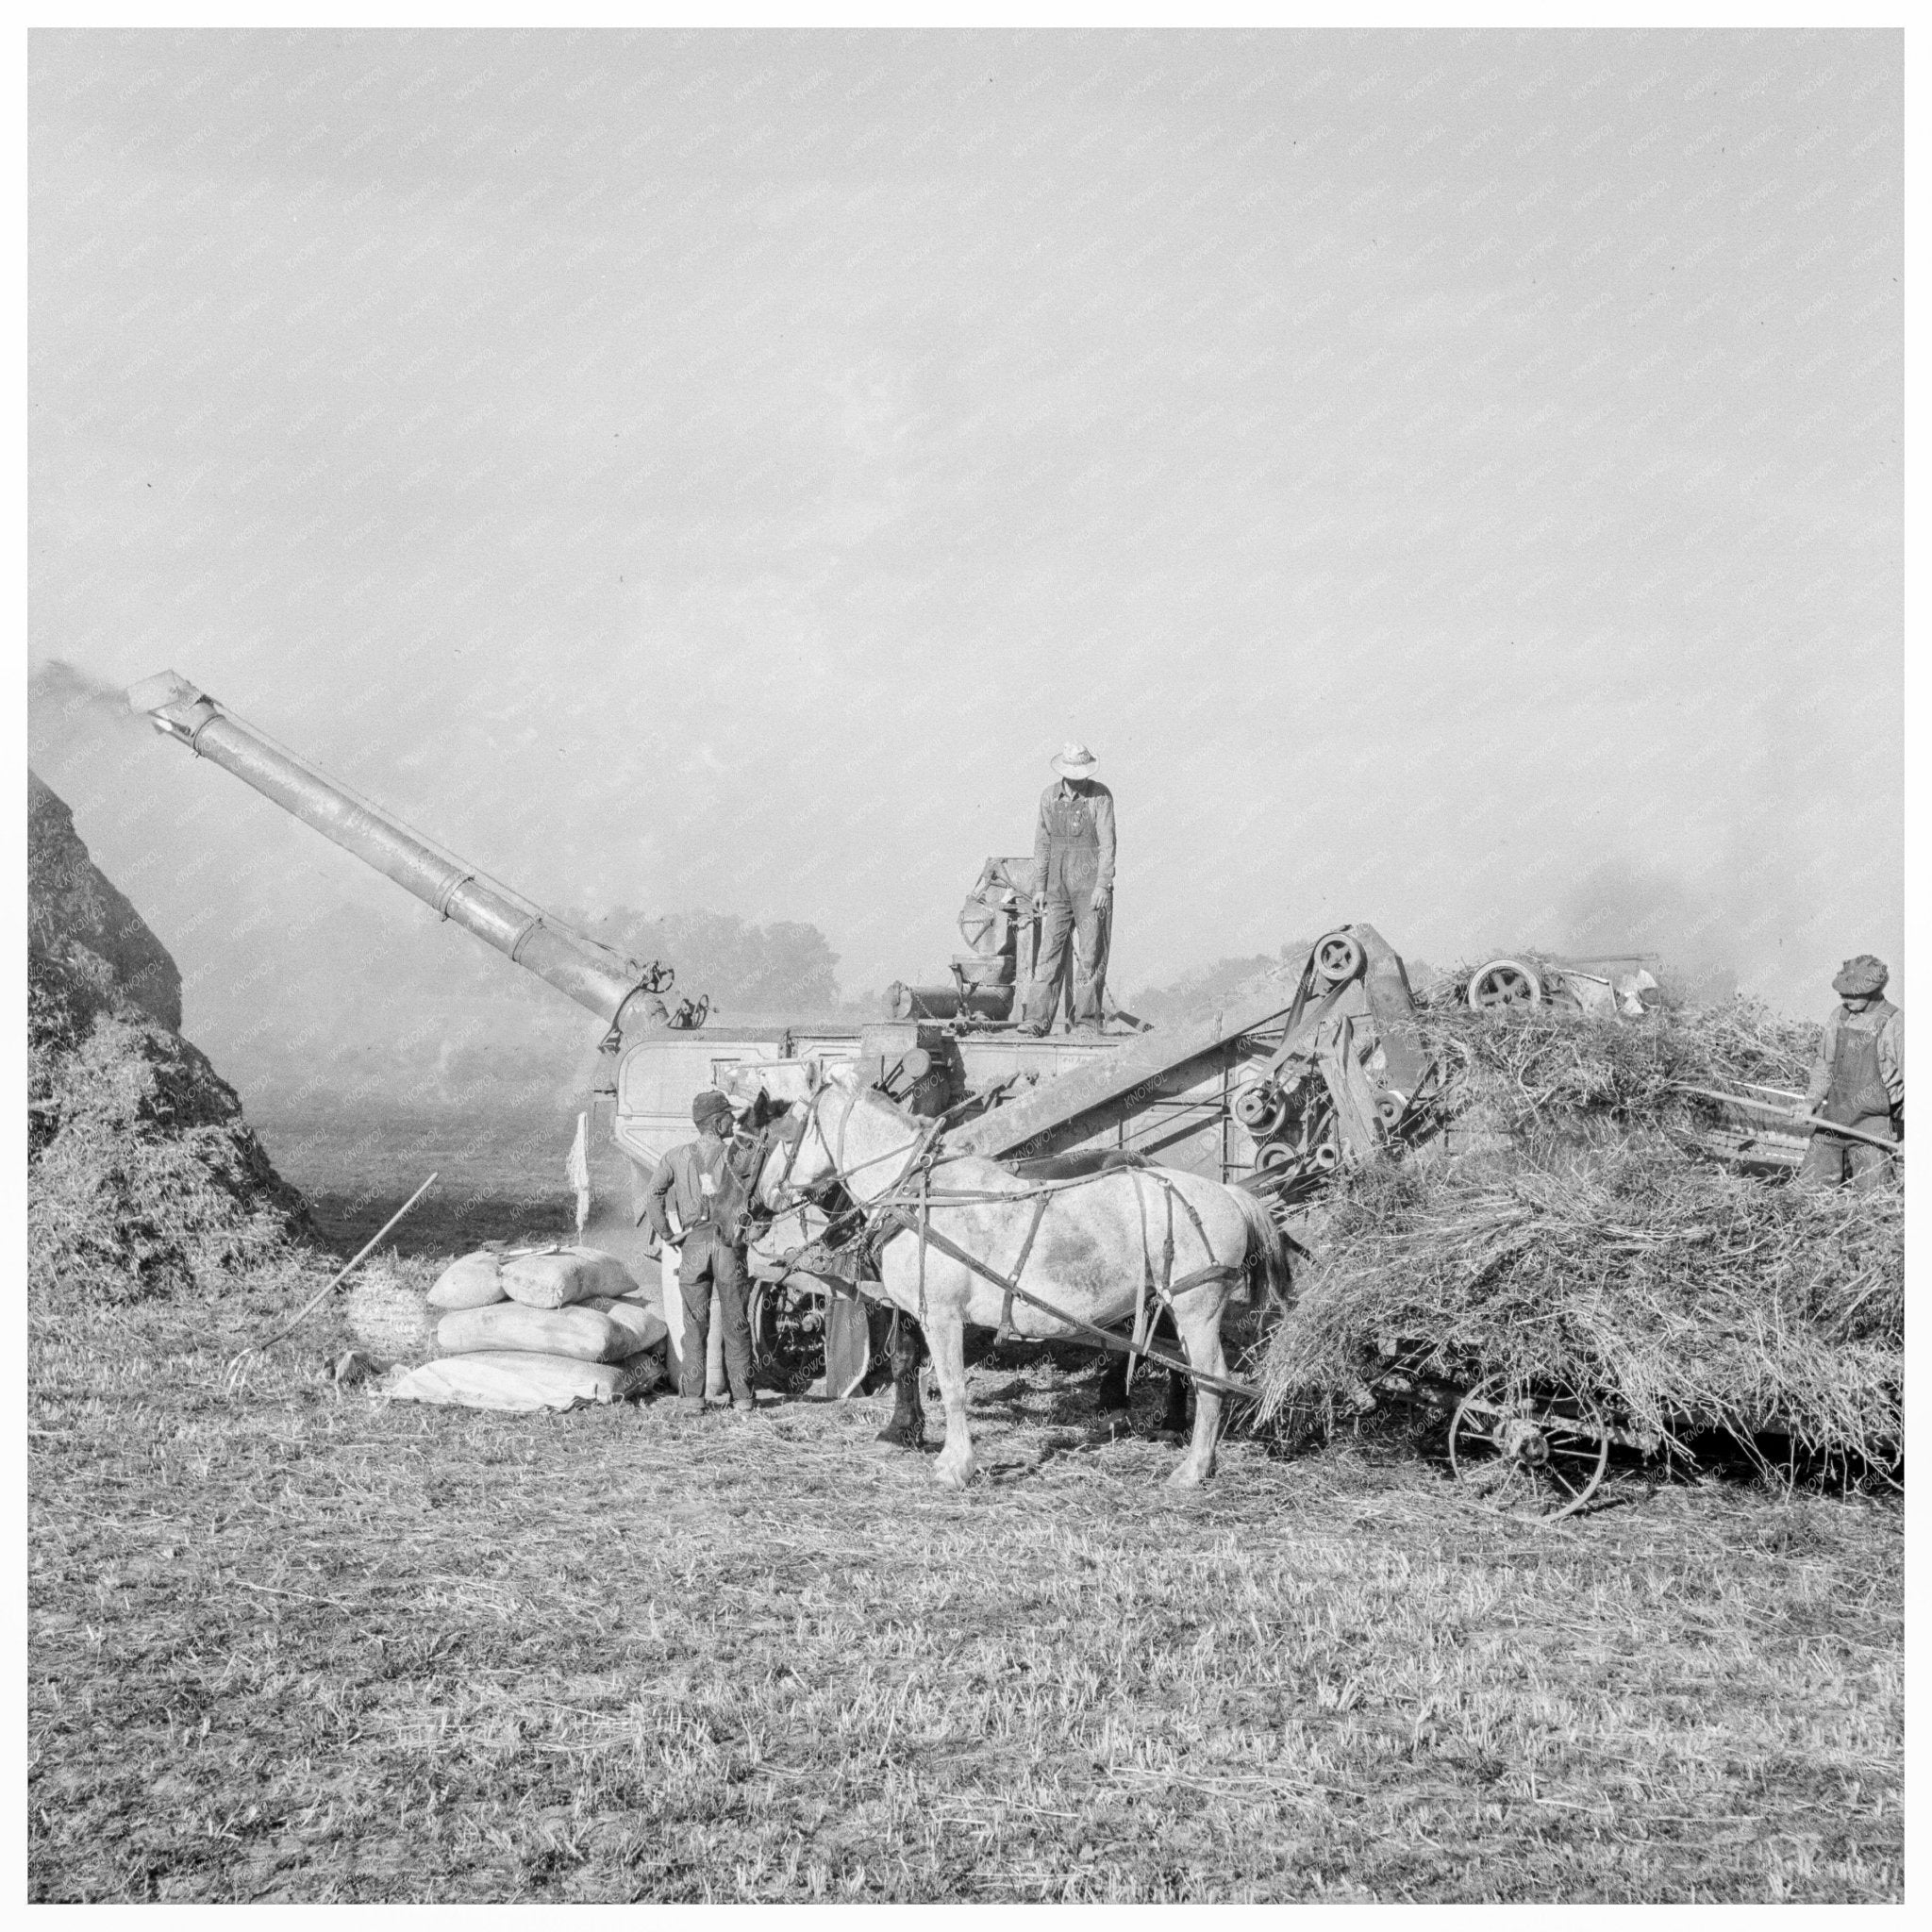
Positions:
(530, 1328)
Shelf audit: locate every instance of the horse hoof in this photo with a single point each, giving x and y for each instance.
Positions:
(898, 1436)
(951, 1478)
(1187, 1478)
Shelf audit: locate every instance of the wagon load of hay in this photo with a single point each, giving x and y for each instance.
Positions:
(142, 1176)
(1541, 1070)
(1590, 1248)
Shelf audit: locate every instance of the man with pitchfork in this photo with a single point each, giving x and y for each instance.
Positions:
(1857, 1081)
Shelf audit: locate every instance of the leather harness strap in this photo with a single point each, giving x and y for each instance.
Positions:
(897, 1222)
(888, 1217)
(1005, 1326)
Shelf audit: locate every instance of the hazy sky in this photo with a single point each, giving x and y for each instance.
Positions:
(1452, 480)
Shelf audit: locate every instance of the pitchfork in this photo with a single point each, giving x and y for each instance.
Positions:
(237, 1373)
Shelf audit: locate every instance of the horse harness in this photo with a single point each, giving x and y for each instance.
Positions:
(905, 1207)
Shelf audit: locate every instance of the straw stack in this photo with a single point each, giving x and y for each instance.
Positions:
(1594, 1248)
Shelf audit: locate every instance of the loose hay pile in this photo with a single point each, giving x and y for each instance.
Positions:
(142, 1176)
(1544, 1068)
(1594, 1251)
(386, 1312)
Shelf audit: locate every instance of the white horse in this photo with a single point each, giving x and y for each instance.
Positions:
(1095, 1249)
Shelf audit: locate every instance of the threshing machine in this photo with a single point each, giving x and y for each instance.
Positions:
(1273, 1088)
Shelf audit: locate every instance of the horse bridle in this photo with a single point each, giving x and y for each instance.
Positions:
(783, 1201)
(840, 1174)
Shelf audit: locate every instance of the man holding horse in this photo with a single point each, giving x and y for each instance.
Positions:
(706, 1184)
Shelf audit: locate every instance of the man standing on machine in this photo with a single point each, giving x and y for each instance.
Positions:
(1072, 864)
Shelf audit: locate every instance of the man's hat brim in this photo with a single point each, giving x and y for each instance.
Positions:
(1852, 986)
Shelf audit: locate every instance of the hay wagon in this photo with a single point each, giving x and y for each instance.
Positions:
(1540, 1447)
(1533, 1447)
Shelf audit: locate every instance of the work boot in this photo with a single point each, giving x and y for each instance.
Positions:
(691, 1406)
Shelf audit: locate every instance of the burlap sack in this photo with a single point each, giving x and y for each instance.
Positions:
(522, 1383)
(642, 1325)
(604, 1331)
(555, 1277)
(472, 1282)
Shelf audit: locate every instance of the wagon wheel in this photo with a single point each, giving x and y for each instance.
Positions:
(1338, 957)
(1503, 983)
(788, 1335)
(1537, 1451)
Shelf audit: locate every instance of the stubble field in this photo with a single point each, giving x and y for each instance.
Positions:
(291, 1643)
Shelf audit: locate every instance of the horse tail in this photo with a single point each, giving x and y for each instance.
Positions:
(1267, 1255)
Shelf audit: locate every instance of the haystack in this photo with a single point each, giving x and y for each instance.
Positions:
(1593, 1248)
(142, 1176)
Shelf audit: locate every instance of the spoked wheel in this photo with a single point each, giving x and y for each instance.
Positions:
(788, 1336)
(1535, 1450)
(1503, 983)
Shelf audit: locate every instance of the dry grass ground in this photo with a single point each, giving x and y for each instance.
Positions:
(292, 1644)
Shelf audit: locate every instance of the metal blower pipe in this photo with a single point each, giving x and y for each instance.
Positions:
(595, 975)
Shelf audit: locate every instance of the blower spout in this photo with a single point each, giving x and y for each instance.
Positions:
(620, 990)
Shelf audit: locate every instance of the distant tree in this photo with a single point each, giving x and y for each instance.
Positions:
(784, 967)
(1206, 986)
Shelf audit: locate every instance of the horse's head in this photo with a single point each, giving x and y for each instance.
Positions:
(842, 1128)
(800, 1164)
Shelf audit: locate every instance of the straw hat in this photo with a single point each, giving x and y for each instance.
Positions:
(1074, 761)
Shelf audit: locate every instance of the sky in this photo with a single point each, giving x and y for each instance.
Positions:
(1451, 480)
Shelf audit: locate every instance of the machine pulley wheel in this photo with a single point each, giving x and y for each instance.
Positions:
(1503, 983)
(1260, 1108)
(1535, 1450)
(1275, 1156)
(1338, 957)
(1326, 1158)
